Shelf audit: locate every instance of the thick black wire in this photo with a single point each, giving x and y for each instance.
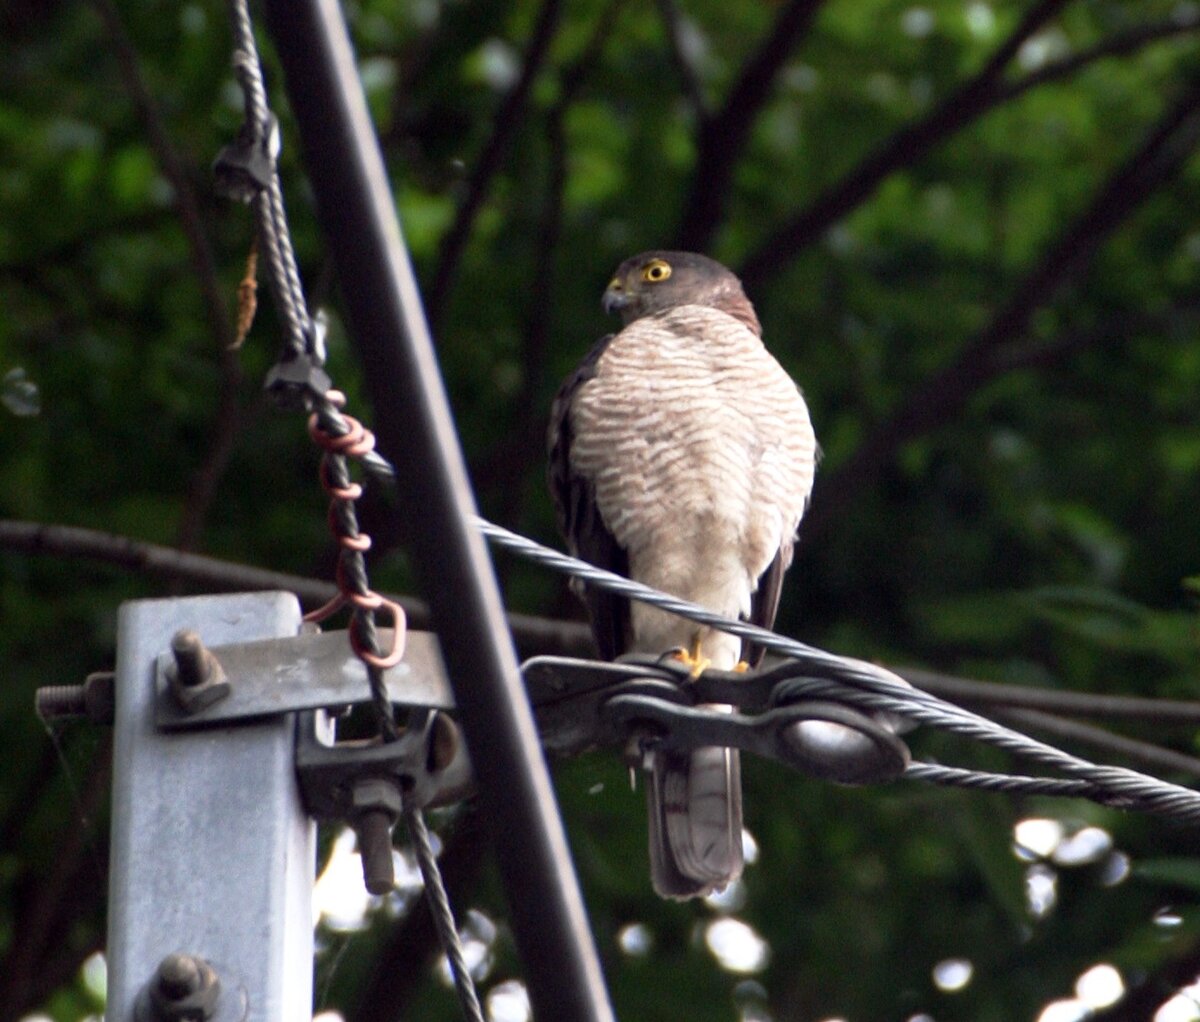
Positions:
(1008, 784)
(301, 336)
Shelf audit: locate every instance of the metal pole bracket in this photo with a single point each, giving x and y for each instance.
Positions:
(309, 671)
(427, 764)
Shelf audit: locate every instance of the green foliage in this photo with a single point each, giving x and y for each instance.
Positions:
(1019, 508)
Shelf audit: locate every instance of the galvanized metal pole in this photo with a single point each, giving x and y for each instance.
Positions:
(212, 853)
(416, 431)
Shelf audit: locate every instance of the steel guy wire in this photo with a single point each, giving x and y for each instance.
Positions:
(443, 918)
(332, 430)
(260, 132)
(1008, 784)
(303, 337)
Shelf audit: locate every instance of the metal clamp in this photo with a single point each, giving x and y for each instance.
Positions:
(584, 703)
(301, 672)
(428, 762)
(245, 167)
(297, 381)
(367, 783)
(825, 740)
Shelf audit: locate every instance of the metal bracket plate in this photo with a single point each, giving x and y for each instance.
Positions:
(305, 672)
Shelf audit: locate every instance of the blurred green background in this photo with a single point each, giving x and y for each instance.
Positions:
(971, 232)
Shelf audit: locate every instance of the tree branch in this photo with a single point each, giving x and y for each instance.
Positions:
(533, 635)
(1164, 151)
(507, 120)
(1049, 700)
(1041, 354)
(693, 87)
(228, 417)
(512, 457)
(1120, 44)
(902, 149)
(723, 136)
(524, 440)
(1142, 754)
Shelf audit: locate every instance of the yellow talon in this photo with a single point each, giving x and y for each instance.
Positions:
(693, 658)
(741, 667)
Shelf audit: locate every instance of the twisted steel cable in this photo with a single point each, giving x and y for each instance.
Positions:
(267, 202)
(443, 918)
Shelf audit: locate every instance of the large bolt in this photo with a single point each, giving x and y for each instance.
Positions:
(178, 975)
(195, 676)
(55, 702)
(193, 663)
(376, 806)
(374, 830)
(184, 989)
(93, 699)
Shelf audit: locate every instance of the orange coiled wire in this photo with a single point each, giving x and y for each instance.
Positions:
(356, 442)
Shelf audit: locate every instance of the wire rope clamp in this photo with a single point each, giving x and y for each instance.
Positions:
(642, 702)
(245, 166)
(297, 380)
(367, 783)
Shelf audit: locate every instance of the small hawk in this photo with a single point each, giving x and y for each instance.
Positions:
(682, 456)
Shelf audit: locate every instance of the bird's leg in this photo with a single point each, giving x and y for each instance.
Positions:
(741, 667)
(693, 658)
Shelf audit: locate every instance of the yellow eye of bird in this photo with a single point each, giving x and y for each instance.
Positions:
(656, 271)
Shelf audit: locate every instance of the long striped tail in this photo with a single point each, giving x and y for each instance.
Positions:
(695, 804)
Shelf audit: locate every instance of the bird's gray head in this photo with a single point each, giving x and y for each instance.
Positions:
(656, 281)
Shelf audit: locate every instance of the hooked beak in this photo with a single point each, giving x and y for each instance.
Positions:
(615, 299)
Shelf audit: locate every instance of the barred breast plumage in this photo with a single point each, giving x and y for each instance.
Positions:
(701, 453)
